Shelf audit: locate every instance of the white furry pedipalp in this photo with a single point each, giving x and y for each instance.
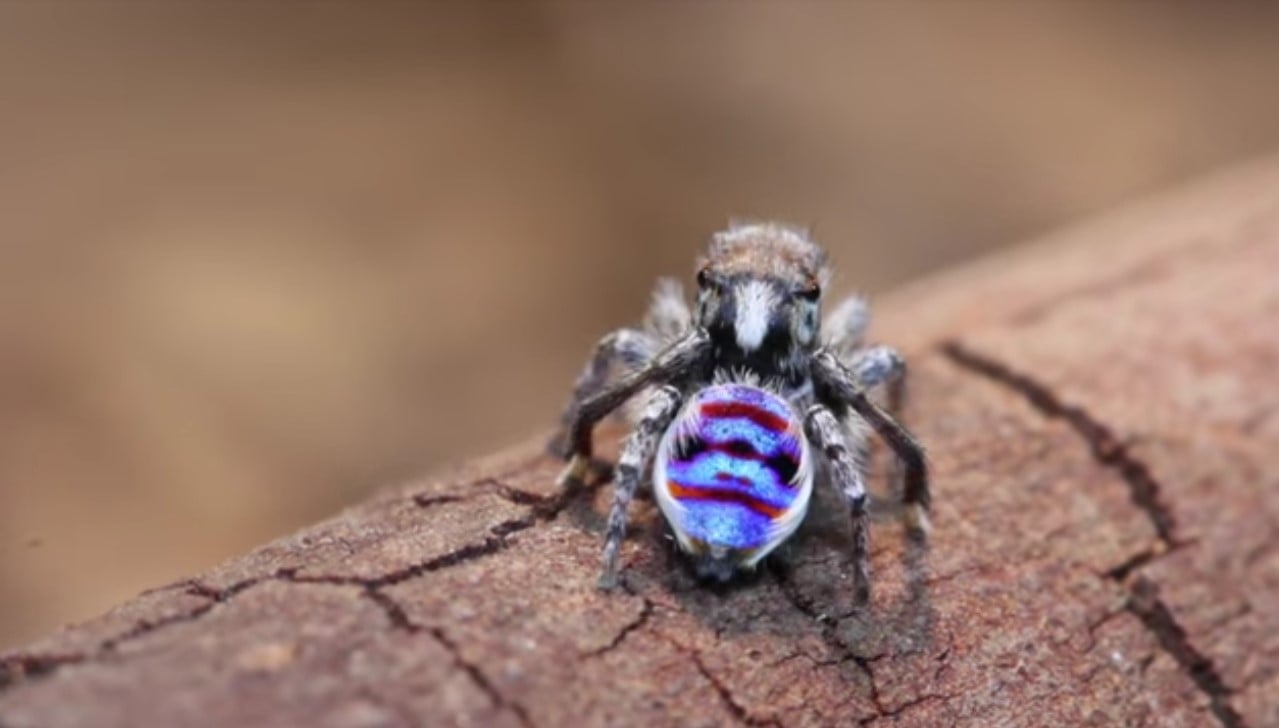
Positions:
(668, 314)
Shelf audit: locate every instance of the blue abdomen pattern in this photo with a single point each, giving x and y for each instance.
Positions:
(732, 471)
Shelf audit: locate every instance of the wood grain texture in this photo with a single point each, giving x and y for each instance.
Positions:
(1102, 417)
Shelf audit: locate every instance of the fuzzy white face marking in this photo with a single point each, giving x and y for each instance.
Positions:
(756, 301)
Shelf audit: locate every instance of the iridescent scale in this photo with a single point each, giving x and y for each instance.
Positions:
(732, 471)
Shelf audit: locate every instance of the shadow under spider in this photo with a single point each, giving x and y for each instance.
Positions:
(808, 577)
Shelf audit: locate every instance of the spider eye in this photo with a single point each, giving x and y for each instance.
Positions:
(810, 293)
(707, 281)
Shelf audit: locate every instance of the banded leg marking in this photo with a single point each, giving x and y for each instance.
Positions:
(830, 440)
(632, 463)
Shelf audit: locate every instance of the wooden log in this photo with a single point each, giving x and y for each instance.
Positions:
(1102, 418)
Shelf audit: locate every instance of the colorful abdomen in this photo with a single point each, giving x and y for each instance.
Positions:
(732, 474)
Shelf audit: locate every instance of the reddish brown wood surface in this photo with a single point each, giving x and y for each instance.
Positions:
(1102, 416)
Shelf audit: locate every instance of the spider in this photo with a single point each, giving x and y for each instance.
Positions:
(743, 406)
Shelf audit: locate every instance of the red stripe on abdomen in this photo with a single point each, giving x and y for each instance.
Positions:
(758, 415)
(724, 495)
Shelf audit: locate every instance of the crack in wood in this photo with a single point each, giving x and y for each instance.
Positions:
(23, 668)
(646, 611)
(400, 620)
(495, 542)
(600, 472)
(739, 713)
(542, 509)
(1140, 560)
(1144, 603)
(908, 705)
(17, 669)
(804, 604)
(480, 679)
(429, 501)
(1142, 600)
(395, 613)
(1105, 447)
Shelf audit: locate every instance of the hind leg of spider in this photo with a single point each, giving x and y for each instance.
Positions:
(840, 387)
(632, 463)
(830, 440)
(629, 349)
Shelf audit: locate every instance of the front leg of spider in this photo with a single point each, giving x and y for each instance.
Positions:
(630, 349)
(829, 439)
(877, 366)
(636, 455)
(677, 363)
(838, 388)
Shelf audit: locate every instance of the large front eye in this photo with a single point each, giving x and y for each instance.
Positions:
(706, 296)
(707, 281)
(806, 321)
(811, 293)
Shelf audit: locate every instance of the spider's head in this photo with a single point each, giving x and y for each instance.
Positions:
(759, 290)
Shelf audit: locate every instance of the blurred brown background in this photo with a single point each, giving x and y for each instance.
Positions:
(259, 259)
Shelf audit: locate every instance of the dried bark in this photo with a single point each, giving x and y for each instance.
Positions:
(1103, 422)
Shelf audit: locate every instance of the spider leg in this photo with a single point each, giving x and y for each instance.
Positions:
(838, 387)
(830, 441)
(882, 365)
(669, 316)
(847, 324)
(626, 348)
(675, 364)
(876, 365)
(632, 463)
